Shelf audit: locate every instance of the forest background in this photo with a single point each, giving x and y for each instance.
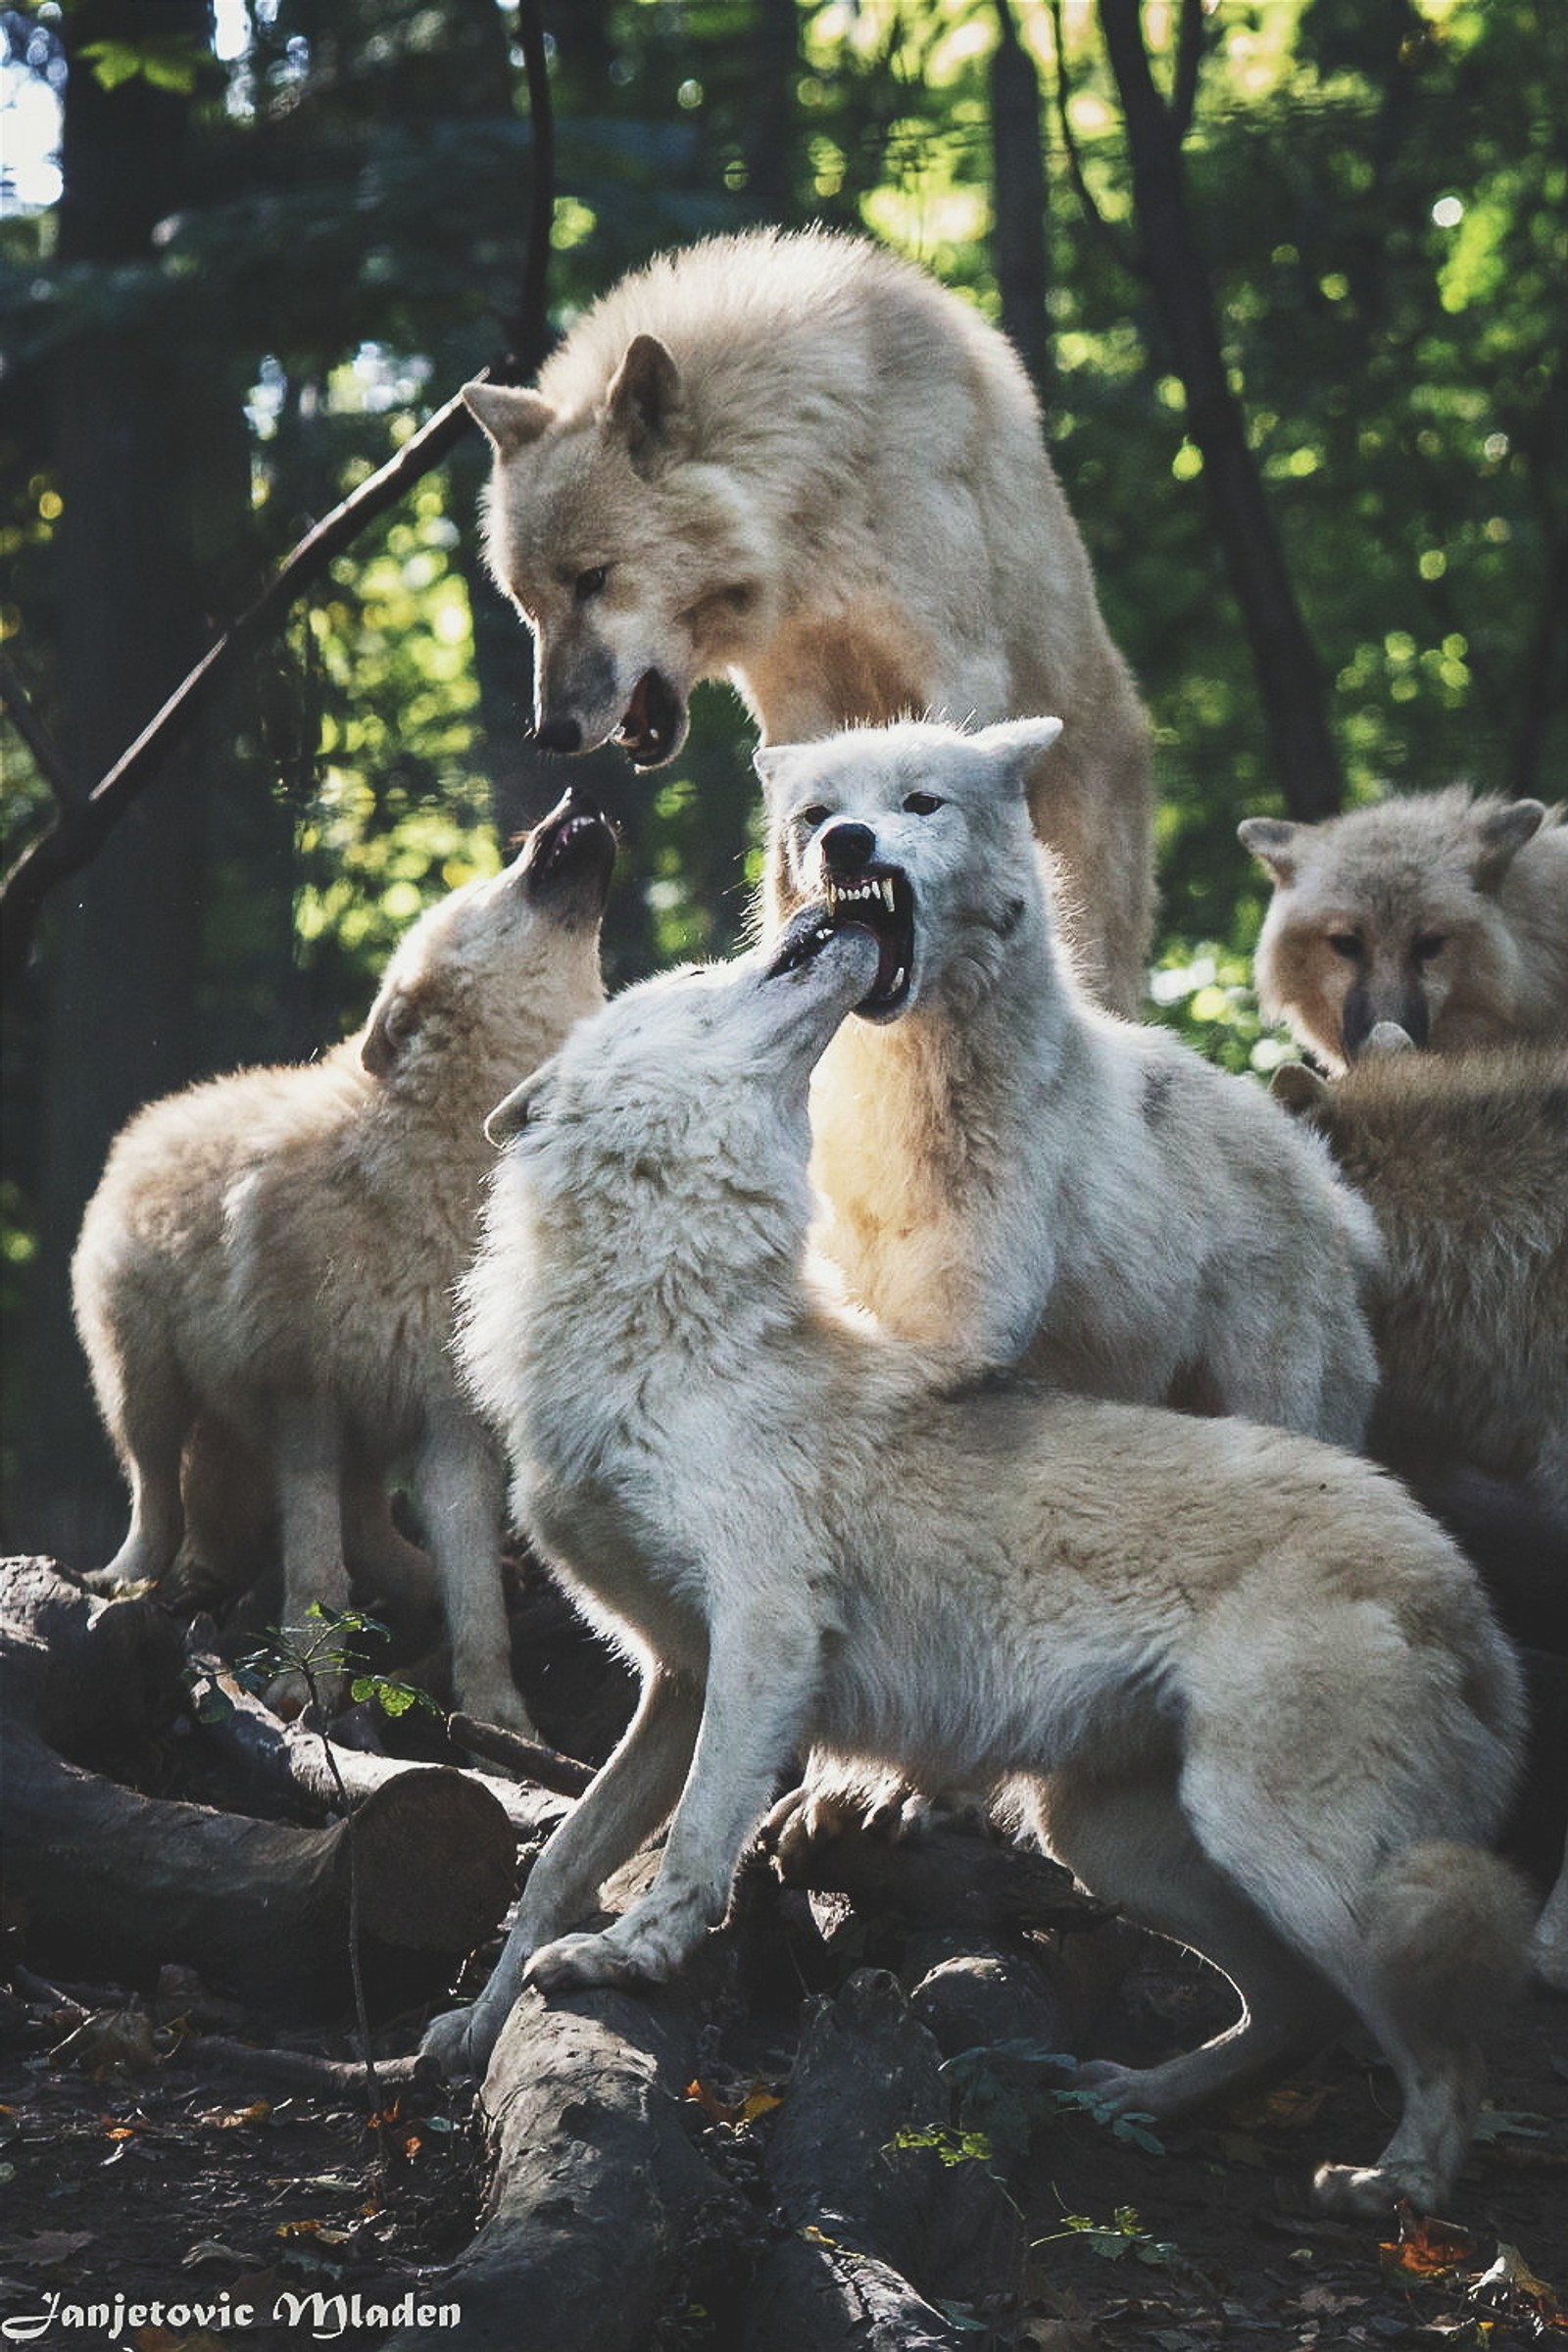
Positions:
(1291, 277)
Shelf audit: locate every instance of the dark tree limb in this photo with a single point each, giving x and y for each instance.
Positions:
(596, 2183)
(545, 1765)
(868, 2217)
(944, 1878)
(291, 1757)
(1125, 256)
(1283, 657)
(1189, 62)
(82, 822)
(118, 1881)
(1020, 199)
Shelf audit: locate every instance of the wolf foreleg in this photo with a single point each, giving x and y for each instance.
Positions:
(624, 1804)
(762, 1683)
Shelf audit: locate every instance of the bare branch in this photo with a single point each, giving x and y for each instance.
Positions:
(79, 830)
(1123, 253)
(1189, 63)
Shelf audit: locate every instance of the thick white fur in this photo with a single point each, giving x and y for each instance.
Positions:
(808, 467)
(1239, 1675)
(263, 1282)
(1012, 1172)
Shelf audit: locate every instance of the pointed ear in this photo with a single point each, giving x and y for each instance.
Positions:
(1016, 743)
(644, 401)
(773, 762)
(1272, 843)
(392, 1025)
(1499, 837)
(1300, 1089)
(510, 417)
(511, 1118)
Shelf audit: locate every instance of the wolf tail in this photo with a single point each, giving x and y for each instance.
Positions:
(1447, 1928)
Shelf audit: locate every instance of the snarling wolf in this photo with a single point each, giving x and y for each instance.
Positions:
(1007, 1169)
(1440, 912)
(1246, 1687)
(797, 462)
(265, 1276)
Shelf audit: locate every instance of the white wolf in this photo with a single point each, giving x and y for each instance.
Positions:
(1239, 1675)
(797, 462)
(1012, 1172)
(264, 1275)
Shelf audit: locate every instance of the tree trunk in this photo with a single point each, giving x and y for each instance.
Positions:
(1019, 200)
(152, 472)
(1288, 674)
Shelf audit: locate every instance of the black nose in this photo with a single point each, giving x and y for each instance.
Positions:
(559, 735)
(846, 848)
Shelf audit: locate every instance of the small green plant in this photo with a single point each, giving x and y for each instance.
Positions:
(1113, 2240)
(1001, 2092)
(320, 1653)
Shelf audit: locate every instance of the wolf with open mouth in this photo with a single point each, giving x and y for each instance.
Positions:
(798, 464)
(1010, 1171)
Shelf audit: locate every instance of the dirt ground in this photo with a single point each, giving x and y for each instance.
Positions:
(126, 2172)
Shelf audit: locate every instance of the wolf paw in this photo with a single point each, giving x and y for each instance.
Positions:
(574, 1961)
(460, 2040)
(1370, 2192)
(501, 1704)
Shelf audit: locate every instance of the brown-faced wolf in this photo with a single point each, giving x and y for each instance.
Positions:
(1442, 914)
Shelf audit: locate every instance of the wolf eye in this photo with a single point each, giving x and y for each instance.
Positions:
(1430, 943)
(588, 583)
(813, 816)
(921, 803)
(1346, 944)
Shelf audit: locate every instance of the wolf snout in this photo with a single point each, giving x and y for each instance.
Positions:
(559, 733)
(846, 848)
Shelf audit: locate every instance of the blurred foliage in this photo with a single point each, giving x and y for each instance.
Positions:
(1382, 193)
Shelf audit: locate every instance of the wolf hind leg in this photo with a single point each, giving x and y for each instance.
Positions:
(1420, 1942)
(1129, 1840)
(153, 1415)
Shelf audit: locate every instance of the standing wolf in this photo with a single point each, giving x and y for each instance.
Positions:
(1254, 1695)
(1010, 1171)
(1442, 914)
(797, 462)
(264, 1282)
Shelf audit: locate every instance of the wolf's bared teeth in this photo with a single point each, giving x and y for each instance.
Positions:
(886, 888)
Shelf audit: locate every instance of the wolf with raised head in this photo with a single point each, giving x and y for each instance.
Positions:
(797, 462)
(1443, 912)
(264, 1282)
(1252, 1694)
(1010, 1171)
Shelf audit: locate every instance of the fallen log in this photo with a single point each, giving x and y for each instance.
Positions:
(293, 1758)
(947, 1878)
(596, 2183)
(546, 1765)
(876, 2227)
(115, 1882)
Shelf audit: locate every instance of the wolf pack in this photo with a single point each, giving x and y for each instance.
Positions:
(927, 1374)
